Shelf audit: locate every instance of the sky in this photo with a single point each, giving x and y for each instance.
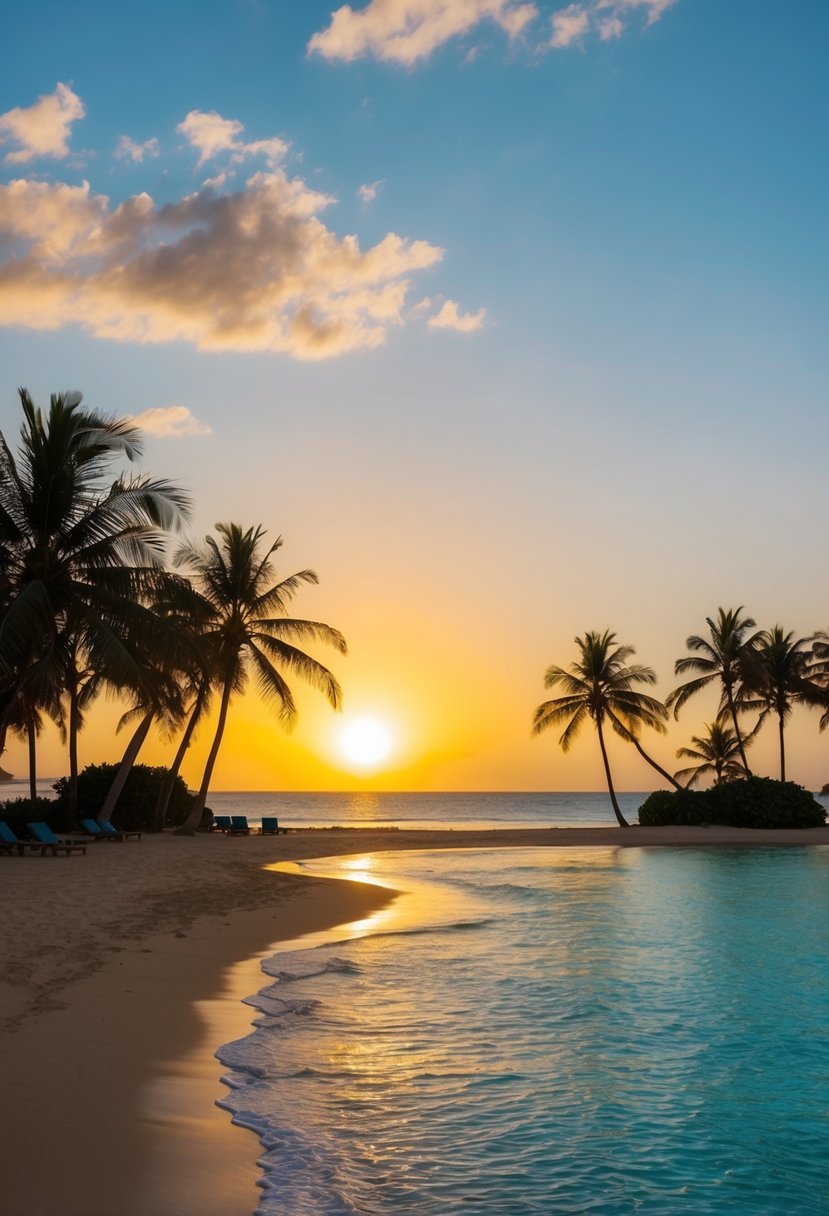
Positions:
(509, 316)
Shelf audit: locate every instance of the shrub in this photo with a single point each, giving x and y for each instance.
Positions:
(17, 812)
(134, 811)
(755, 802)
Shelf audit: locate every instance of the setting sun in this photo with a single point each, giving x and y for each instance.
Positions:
(365, 742)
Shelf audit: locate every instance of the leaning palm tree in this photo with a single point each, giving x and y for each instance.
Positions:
(598, 687)
(717, 752)
(248, 632)
(778, 679)
(721, 658)
(81, 554)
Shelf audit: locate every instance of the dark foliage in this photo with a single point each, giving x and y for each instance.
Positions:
(17, 812)
(138, 797)
(757, 802)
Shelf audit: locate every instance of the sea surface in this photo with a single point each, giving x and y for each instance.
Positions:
(549, 1031)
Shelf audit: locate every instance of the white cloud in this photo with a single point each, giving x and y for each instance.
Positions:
(128, 149)
(450, 317)
(170, 422)
(253, 270)
(610, 27)
(404, 31)
(368, 193)
(42, 129)
(210, 135)
(569, 25)
(653, 8)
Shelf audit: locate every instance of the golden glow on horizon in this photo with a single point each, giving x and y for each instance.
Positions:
(365, 742)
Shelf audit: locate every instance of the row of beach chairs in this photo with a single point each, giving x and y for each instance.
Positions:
(42, 840)
(237, 825)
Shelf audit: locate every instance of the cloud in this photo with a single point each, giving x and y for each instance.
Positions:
(450, 317)
(569, 24)
(405, 31)
(369, 192)
(210, 135)
(408, 31)
(128, 149)
(257, 269)
(170, 422)
(42, 129)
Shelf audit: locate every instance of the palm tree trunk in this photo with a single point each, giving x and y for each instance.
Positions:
(620, 819)
(653, 763)
(168, 784)
(188, 828)
(125, 768)
(782, 748)
(732, 707)
(74, 716)
(31, 731)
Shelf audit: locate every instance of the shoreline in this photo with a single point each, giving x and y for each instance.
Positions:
(124, 971)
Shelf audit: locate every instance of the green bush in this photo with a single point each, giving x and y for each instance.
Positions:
(135, 808)
(756, 802)
(17, 812)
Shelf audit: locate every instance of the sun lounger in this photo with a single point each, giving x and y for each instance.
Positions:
(270, 826)
(221, 823)
(111, 833)
(93, 829)
(9, 842)
(239, 825)
(44, 835)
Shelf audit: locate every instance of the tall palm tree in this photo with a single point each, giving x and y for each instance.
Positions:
(598, 687)
(818, 672)
(778, 679)
(248, 631)
(716, 752)
(81, 553)
(721, 658)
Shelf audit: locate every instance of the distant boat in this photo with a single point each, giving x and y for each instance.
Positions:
(4, 776)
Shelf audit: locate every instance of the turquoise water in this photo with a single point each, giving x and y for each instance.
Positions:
(598, 1031)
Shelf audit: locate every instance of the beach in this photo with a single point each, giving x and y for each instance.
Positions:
(124, 971)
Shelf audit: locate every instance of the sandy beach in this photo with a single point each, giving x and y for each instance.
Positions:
(124, 971)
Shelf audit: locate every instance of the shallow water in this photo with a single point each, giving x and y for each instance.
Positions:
(613, 1031)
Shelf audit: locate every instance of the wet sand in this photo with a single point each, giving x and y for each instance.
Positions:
(123, 972)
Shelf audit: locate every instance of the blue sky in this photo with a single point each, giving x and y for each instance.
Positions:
(620, 423)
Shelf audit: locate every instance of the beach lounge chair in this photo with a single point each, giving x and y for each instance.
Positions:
(270, 826)
(221, 823)
(93, 829)
(44, 835)
(111, 833)
(239, 825)
(9, 842)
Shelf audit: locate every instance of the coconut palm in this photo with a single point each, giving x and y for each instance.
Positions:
(248, 632)
(721, 658)
(598, 687)
(818, 672)
(81, 554)
(716, 752)
(777, 679)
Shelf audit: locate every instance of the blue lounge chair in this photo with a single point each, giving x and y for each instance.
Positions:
(239, 825)
(270, 826)
(111, 833)
(9, 841)
(221, 823)
(44, 835)
(93, 829)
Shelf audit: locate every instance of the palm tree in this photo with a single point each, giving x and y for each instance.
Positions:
(81, 554)
(717, 752)
(818, 672)
(778, 679)
(247, 630)
(598, 686)
(722, 657)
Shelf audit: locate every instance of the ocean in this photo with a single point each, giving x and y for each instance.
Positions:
(552, 1031)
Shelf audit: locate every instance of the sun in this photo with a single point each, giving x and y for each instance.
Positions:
(366, 742)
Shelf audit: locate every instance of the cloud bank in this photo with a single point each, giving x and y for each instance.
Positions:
(409, 31)
(253, 270)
